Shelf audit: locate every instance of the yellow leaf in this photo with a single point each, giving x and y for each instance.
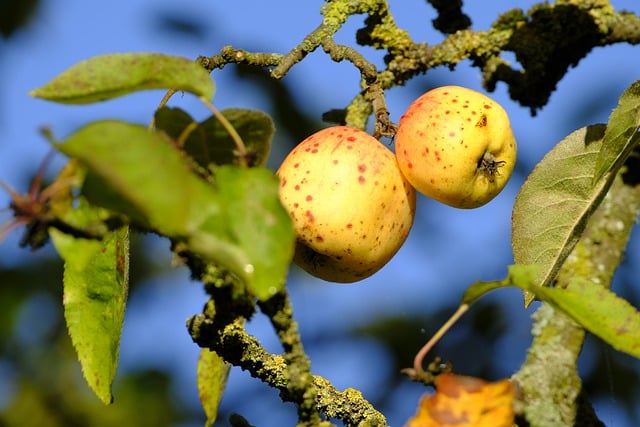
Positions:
(461, 401)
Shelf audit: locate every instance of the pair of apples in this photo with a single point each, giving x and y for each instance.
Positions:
(353, 201)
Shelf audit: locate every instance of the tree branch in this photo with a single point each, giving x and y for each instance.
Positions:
(299, 379)
(547, 41)
(549, 377)
(236, 346)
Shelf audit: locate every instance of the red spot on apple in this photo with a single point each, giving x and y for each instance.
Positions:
(309, 198)
(361, 179)
(362, 168)
(297, 187)
(310, 216)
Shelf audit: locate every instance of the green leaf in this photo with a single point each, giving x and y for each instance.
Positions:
(591, 305)
(138, 173)
(212, 379)
(109, 76)
(259, 224)
(209, 143)
(555, 202)
(173, 121)
(621, 136)
(238, 223)
(599, 311)
(95, 293)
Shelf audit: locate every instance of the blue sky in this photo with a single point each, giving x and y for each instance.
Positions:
(447, 250)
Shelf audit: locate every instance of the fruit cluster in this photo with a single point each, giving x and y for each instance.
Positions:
(353, 201)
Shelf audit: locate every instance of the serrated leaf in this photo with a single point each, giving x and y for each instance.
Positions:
(599, 311)
(212, 374)
(589, 304)
(140, 174)
(258, 223)
(555, 202)
(209, 143)
(621, 136)
(95, 287)
(109, 76)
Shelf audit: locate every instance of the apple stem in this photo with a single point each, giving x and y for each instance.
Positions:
(418, 360)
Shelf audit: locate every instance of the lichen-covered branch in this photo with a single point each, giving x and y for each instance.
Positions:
(299, 379)
(549, 378)
(547, 40)
(232, 342)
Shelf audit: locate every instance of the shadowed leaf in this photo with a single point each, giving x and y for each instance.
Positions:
(209, 143)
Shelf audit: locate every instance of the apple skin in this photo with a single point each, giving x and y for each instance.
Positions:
(456, 146)
(351, 206)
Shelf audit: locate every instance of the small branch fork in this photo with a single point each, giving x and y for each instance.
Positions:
(220, 327)
(547, 41)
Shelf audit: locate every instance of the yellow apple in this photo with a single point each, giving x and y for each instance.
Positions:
(456, 146)
(351, 206)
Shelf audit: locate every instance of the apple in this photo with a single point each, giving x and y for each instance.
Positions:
(456, 146)
(352, 208)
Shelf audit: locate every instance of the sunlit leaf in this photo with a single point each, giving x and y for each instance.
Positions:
(238, 223)
(461, 401)
(212, 379)
(621, 136)
(108, 76)
(555, 202)
(95, 292)
(138, 173)
(589, 304)
(258, 223)
(599, 311)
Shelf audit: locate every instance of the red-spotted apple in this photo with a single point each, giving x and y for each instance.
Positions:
(351, 206)
(456, 146)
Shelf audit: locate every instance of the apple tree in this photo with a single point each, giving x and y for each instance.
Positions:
(204, 187)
